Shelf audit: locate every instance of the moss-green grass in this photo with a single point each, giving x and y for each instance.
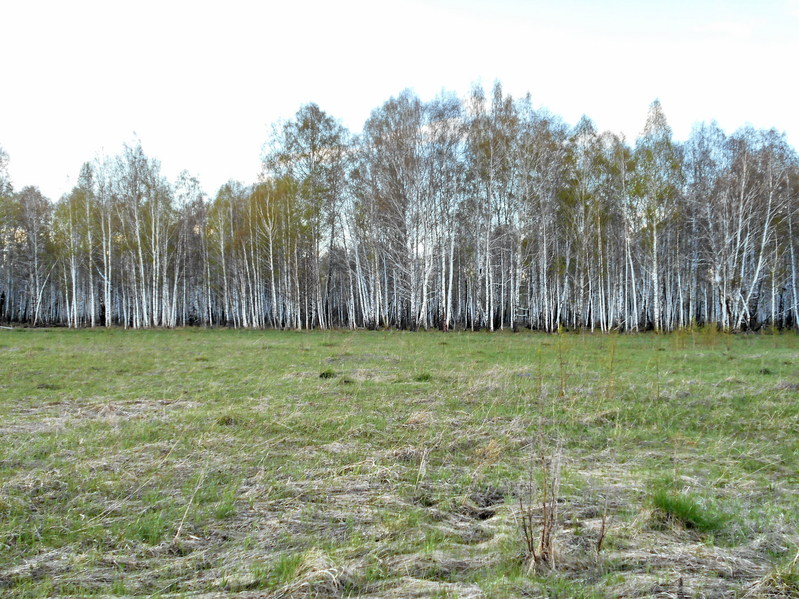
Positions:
(140, 463)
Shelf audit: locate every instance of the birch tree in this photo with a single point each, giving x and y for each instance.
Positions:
(657, 185)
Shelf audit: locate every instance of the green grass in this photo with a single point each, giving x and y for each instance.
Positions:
(136, 463)
(688, 509)
(280, 572)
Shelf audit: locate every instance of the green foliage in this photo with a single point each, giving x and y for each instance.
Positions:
(226, 508)
(688, 509)
(151, 527)
(786, 578)
(558, 587)
(280, 572)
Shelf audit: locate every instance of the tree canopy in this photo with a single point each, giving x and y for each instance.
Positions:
(476, 212)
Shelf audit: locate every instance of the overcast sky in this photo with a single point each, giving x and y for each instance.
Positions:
(200, 83)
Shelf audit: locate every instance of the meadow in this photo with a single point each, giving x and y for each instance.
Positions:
(225, 463)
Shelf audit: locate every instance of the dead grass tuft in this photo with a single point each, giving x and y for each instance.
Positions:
(489, 453)
(787, 386)
(415, 588)
(782, 581)
(419, 418)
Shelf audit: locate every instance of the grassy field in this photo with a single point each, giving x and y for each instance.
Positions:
(221, 463)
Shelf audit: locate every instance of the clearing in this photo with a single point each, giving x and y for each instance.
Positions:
(222, 463)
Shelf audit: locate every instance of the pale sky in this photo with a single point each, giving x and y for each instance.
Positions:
(200, 83)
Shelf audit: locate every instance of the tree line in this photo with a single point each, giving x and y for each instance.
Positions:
(471, 213)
